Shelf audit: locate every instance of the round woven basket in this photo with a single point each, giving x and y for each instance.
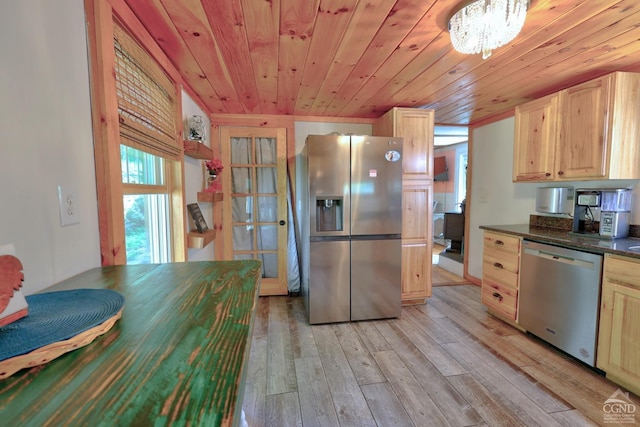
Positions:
(57, 322)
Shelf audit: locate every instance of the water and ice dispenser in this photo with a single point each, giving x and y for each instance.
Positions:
(329, 213)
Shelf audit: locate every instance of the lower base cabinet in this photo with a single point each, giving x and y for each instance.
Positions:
(619, 334)
(500, 299)
(416, 273)
(417, 196)
(618, 353)
(501, 274)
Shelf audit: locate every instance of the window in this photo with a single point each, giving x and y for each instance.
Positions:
(146, 207)
(137, 127)
(461, 166)
(146, 109)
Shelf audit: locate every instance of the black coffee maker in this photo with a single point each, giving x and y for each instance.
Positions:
(586, 201)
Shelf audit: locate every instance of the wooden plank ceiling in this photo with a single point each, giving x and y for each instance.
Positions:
(359, 58)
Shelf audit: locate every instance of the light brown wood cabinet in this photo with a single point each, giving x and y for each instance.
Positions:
(585, 132)
(501, 274)
(536, 136)
(415, 126)
(619, 334)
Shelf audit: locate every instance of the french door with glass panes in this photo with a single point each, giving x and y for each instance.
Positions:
(254, 214)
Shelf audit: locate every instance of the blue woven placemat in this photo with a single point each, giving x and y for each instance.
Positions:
(58, 316)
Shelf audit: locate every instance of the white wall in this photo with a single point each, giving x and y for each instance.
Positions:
(46, 139)
(304, 129)
(496, 200)
(194, 179)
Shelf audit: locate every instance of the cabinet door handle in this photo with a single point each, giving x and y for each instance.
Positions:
(498, 265)
(560, 173)
(497, 295)
(547, 174)
(499, 242)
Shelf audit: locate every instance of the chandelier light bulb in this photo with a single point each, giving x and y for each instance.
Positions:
(484, 25)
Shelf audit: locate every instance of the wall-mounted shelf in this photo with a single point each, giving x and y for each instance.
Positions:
(197, 150)
(197, 240)
(205, 197)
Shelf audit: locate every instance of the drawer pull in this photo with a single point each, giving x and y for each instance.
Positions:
(497, 295)
(499, 242)
(498, 265)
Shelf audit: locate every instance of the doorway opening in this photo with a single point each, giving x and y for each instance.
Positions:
(449, 194)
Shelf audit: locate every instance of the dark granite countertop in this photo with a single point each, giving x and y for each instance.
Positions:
(562, 237)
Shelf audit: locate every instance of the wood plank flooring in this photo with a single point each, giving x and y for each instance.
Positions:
(445, 363)
(442, 277)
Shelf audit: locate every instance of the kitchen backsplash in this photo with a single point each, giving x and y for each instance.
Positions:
(564, 223)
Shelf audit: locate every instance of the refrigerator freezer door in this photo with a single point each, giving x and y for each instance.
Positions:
(328, 292)
(375, 279)
(376, 185)
(328, 177)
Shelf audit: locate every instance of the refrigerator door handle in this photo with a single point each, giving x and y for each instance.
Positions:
(375, 236)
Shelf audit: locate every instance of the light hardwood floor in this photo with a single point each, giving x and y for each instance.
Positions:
(440, 276)
(444, 363)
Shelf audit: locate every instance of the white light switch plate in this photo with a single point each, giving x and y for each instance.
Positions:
(68, 206)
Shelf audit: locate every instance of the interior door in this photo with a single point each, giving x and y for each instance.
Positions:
(254, 213)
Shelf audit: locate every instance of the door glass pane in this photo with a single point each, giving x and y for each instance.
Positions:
(269, 265)
(146, 224)
(241, 180)
(267, 209)
(266, 151)
(267, 180)
(241, 151)
(267, 236)
(243, 238)
(242, 209)
(242, 257)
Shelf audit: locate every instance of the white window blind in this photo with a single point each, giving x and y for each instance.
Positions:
(146, 99)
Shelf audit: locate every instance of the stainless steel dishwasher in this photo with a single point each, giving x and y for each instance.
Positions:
(559, 299)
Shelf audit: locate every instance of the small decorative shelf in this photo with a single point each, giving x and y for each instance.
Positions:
(197, 240)
(197, 150)
(205, 197)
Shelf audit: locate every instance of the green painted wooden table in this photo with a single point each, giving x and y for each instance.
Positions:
(178, 356)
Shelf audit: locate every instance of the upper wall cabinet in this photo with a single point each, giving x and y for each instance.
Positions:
(536, 135)
(415, 126)
(589, 131)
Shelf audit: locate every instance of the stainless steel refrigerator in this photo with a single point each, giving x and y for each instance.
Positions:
(351, 227)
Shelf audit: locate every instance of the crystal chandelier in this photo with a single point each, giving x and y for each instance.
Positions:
(484, 25)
